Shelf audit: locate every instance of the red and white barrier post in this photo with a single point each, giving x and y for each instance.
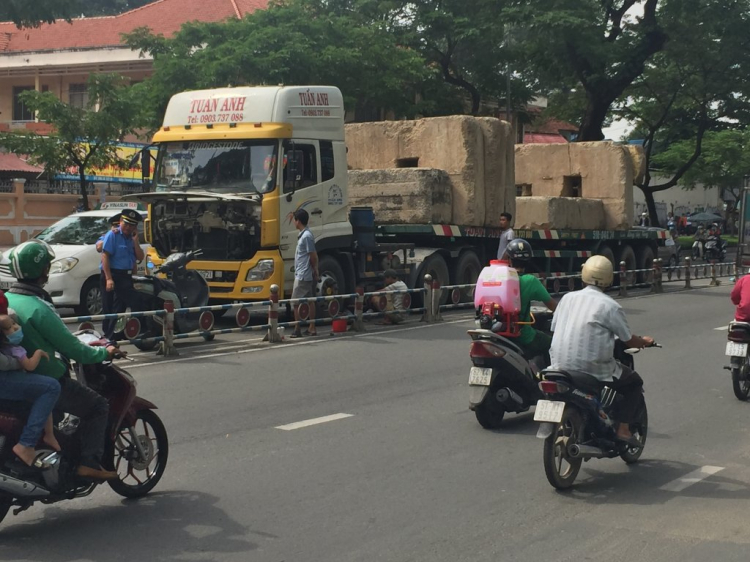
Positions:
(167, 347)
(623, 279)
(273, 316)
(359, 309)
(427, 316)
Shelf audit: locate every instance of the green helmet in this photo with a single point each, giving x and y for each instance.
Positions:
(30, 259)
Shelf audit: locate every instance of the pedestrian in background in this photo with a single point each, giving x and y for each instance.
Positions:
(506, 234)
(121, 251)
(394, 309)
(305, 271)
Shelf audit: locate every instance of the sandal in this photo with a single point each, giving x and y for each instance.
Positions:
(295, 335)
(311, 334)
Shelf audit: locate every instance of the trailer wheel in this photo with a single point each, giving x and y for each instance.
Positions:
(435, 265)
(466, 272)
(332, 281)
(628, 256)
(607, 252)
(646, 261)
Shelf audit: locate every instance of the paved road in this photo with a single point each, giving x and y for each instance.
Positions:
(410, 475)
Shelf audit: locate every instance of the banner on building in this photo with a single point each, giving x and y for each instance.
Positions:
(112, 174)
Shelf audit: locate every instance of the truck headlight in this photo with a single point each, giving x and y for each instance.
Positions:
(262, 271)
(62, 265)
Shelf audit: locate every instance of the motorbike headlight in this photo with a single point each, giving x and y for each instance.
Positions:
(63, 265)
(262, 271)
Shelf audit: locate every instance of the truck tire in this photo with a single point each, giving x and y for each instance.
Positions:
(466, 272)
(645, 261)
(333, 281)
(435, 265)
(627, 255)
(608, 253)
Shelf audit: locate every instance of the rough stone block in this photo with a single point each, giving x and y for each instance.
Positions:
(618, 213)
(403, 195)
(638, 158)
(539, 213)
(605, 168)
(542, 166)
(472, 151)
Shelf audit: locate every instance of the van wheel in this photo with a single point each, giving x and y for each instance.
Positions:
(91, 298)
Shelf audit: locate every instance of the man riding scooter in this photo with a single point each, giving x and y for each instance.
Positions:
(29, 263)
(534, 343)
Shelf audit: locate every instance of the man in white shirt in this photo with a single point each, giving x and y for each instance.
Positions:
(585, 325)
(506, 235)
(395, 307)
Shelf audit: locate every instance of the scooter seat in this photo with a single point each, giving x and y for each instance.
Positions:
(739, 332)
(582, 381)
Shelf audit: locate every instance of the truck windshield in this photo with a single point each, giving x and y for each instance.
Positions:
(231, 167)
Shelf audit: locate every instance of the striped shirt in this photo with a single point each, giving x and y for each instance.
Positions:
(585, 325)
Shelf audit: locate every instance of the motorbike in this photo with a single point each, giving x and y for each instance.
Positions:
(182, 287)
(136, 445)
(715, 249)
(739, 364)
(578, 421)
(501, 378)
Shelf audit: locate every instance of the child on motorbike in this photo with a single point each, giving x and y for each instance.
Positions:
(41, 391)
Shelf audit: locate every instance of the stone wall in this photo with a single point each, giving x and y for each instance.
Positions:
(403, 195)
(591, 170)
(475, 153)
(539, 213)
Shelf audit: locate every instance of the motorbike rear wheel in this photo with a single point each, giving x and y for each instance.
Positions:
(5, 504)
(138, 476)
(561, 470)
(489, 413)
(741, 387)
(640, 430)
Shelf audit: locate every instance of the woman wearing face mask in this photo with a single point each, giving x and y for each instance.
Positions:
(17, 382)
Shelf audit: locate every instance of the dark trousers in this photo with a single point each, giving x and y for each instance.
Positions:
(93, 410)
(117, 301)
(629, 385)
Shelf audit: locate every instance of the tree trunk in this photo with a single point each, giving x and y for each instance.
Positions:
(651, 204)
(84, 193)
(593, 119)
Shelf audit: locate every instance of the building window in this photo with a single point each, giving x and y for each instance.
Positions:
(327, 165)
(21, 112)
(78, 95)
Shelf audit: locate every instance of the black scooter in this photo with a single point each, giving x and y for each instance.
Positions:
(183, 287)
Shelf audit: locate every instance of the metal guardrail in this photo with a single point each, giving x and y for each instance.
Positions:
(432, 292)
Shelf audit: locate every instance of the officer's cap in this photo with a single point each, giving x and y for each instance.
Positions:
(115, 219)
(131, 216)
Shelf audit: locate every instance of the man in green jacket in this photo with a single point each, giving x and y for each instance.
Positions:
(43, 329)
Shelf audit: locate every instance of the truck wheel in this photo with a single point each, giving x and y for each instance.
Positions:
(607, 252)
(91, 298)
(646, 261)
(332, 281)
(466, 272)
(628, 256)
(435, 265)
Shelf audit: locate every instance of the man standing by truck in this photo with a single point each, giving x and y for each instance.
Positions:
(305, 271)
(506, 235)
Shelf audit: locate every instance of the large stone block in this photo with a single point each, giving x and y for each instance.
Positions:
(473, 152)
(638, 158)
(539, 213)
(543, 167)
(605, 168)
(618, 213)
(403, 195)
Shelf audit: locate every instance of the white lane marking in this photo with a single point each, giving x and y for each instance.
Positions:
(721, 328)
(287, 346)
(688, 480)
(314, 421)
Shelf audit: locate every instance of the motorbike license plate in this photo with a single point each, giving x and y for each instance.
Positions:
(549, 411)
(206, 274)
(5, 285)
(735, 349)
(480, 377)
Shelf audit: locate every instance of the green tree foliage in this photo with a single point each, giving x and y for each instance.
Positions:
(289, 43)
(695, 86)
(83, 138)
(596, 47)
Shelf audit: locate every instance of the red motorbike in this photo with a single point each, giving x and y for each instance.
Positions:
(136, 444)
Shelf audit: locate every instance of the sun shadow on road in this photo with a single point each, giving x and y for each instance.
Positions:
(642, 484)
(167, 526)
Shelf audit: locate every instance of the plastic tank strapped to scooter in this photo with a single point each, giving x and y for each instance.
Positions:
(498, 297)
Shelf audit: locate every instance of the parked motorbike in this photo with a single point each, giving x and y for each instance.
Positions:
(501, 379)
(182, 287)
(136, 445)
(715, 249)
(578, 423)
(739, 364)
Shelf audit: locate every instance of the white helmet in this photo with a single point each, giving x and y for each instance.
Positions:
(598, 271)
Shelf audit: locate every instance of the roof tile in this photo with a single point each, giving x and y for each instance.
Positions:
(162, 17)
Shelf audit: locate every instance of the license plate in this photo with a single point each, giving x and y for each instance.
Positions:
(549, 411)
(735, 349)
(480, 377)
(5, 285)
(206, 274)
